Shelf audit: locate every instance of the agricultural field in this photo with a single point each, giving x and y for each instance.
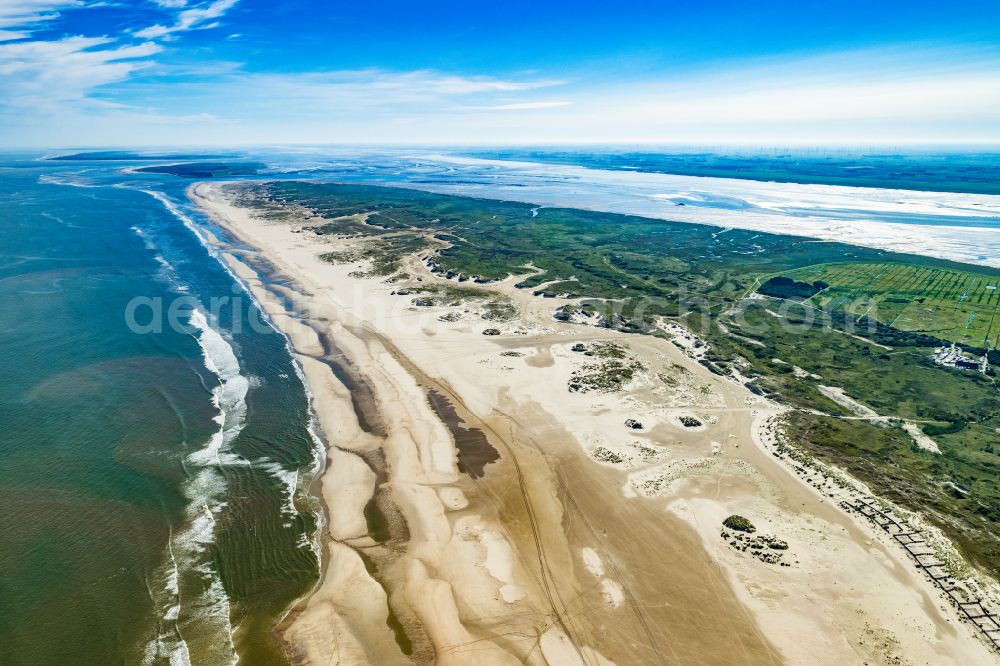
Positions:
(952, 305)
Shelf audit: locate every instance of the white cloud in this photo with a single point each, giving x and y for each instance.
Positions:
(46, 76)
(42, 75)
(19, 17)
(229, 102)
(524, 106)
(368, 89)
(195, 18)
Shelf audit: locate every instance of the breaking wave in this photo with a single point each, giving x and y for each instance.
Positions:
(205, 609)
(208, 611)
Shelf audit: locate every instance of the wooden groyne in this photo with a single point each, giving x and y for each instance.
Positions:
(970, 607)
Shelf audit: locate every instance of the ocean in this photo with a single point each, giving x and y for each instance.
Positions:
(157, 449)
(154, 480)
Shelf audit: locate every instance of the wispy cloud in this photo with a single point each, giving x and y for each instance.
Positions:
(525, 106)
(51, 75)
(41, 74)
(195, 18)
(19, 17)
(326, 92)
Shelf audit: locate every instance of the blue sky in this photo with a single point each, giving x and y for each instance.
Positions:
(196, 72)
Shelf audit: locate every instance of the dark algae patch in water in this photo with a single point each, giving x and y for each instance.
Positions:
(474, 450)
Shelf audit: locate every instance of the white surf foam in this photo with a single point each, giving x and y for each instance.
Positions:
(188, 223)
(167, 272)
(319, 450)
(73, 180)
(290, 478)
(229, 396)
(209, 609)
(144, 236)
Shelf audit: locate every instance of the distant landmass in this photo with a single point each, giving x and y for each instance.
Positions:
(126, 156)
(977, 173)
(206, 169)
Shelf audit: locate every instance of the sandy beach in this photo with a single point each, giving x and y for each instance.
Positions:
(480, 511)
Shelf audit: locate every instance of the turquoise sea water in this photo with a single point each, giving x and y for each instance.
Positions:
(151, 483)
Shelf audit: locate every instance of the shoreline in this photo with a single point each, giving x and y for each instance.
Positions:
(551, 444)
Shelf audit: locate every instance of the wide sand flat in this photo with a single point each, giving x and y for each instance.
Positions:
(587, 541)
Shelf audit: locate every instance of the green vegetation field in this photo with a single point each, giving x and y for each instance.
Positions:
(953, 305)
(635, 270)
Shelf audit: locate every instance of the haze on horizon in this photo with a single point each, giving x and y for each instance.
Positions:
(228, 72)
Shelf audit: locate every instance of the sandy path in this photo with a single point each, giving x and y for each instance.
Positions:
(501, 568)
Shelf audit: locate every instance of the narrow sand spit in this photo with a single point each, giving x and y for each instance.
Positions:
(588, 541)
